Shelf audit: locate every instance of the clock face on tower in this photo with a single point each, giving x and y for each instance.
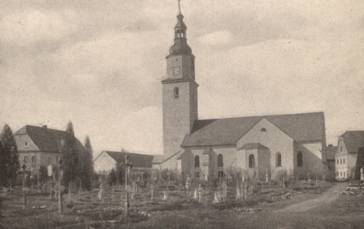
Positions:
(176, 70)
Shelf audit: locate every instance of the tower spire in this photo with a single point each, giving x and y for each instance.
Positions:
(179, 7)
(180, 45)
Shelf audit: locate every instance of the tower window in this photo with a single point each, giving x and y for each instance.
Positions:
(279, 160)
(176, 92)
(197, 161)
(299, 159)
(251, 161)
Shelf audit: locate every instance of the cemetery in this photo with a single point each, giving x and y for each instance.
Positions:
(163, 200)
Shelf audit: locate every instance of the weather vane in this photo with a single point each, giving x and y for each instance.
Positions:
(179, 6)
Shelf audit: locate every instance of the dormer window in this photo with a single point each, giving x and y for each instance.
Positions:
(176, 92)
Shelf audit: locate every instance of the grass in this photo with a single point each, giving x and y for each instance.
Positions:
(179, 213)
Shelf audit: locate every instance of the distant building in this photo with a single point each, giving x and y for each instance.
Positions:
(359, 164)
(40, 146)
(349, 144)
(330, 153)
(289, 144)
(108, 160)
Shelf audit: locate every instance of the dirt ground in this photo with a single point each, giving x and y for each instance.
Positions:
(325, 198)
(304, 209)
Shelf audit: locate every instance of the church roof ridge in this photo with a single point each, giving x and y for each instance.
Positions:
(265, 115)
(302, 127)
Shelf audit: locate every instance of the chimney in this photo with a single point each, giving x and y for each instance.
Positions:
(44, 127)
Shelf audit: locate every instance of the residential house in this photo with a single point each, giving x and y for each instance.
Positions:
(108, 160)
(349, 144)
(40, 146)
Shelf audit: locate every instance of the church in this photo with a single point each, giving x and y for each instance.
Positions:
(291, 144)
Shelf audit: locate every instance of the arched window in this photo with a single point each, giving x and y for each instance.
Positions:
(176, 92)
(279, 160)
(299, 159)
(197, 161)
(251, 161)
(220, 161)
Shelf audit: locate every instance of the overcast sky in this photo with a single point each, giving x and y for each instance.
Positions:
(99, 63)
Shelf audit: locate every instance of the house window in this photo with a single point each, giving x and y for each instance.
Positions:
(299, 159)
(220, 174)
(197, 161)
(279, 160)
(25, 143)
(176, 92)
(343, 160)
(49, 160)
(251, 161)
(263, 130)
(220, 161)
(25, 160)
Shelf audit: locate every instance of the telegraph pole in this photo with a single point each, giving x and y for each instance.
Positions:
(127, 165)
(24, 188)
(60, 176)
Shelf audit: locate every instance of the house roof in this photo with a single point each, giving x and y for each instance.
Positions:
(304, 127)
(253, 146)
(353, 140)
(137, 160)
(160, 159)
(46, 139)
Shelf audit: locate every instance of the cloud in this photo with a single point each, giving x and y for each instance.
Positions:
(285, 76)
(100, 64)
(217, 38)
(28, 26)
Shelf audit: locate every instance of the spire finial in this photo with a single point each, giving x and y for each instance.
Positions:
(179, 7)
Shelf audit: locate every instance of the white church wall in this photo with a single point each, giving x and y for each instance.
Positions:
(178, 116)
(313, 164)
(275, 140)
(208, 164)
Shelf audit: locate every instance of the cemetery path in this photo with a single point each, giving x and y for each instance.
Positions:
(327, 197)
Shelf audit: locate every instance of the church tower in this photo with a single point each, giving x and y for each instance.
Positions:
(179, 92)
